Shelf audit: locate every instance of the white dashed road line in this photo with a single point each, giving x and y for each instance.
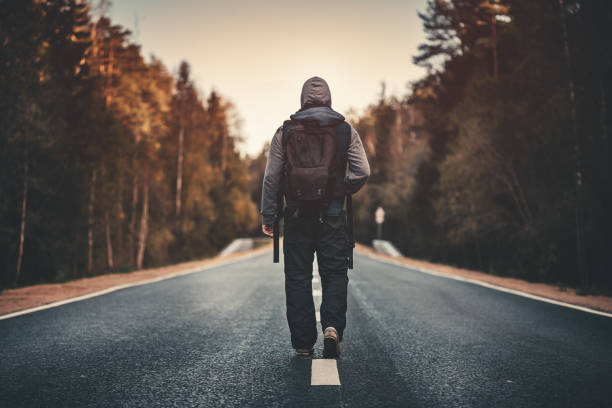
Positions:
(317, 293)
(324, 372)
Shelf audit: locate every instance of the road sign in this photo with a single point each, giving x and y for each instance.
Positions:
(379, 215)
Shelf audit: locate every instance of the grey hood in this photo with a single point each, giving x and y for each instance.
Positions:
(315, 92)
(316, 104)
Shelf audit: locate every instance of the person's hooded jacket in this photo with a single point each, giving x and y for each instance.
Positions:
(315, 105)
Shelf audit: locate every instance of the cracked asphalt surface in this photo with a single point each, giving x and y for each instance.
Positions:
(219, 338)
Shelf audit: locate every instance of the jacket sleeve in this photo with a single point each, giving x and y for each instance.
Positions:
(272, 178)
(358, 166)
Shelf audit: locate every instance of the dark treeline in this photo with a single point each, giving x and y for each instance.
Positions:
(108, 161)
(499, 159)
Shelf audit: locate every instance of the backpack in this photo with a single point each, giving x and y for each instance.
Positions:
(315, 165)
(315, 162)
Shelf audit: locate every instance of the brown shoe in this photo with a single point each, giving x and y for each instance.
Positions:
(304, 353)
(331, 345)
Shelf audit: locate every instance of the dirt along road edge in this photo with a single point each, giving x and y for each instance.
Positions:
(17, 300)
(545, 290)
(14, 301)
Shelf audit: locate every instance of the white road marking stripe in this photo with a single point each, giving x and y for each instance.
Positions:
(127, 285)
(318, 314)
(315, 279)
(316, 292)
(324, 372)
(491, 286)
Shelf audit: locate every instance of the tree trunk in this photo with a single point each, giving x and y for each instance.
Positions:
(107, 228)
(24, 208)
(132, 231)
(607, 257)
(179, 171)
(223, 163)
(495, 48)
(90, 221)
(579, 215)
(144, 225)
(119, 230)
(604, 130)
(475, 232)
(109, 243)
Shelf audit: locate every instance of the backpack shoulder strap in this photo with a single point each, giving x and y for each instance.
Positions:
(344, 135)
(286, 126)
(343, 140)
(343, 131)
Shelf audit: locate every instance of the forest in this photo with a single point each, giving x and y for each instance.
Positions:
(497, 159)
(109, 162)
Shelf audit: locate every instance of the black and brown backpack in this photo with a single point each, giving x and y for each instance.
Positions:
(315, 162)
(315, 167)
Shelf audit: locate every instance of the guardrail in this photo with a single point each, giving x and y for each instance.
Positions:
(237, 245)
(385, 247)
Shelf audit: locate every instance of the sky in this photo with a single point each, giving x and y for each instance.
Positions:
(257, 54)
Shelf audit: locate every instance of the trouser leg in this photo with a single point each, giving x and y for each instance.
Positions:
(332, 258)
(334, 285)
(298, 254)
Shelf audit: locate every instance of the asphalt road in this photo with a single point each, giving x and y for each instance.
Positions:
(219, 338)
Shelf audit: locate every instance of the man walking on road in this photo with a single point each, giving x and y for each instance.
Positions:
(316, 161)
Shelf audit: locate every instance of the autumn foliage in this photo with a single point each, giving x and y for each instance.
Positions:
(109, 162)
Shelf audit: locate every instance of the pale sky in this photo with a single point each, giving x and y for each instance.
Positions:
(257, 54)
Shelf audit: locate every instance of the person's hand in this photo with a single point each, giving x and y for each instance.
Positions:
(268, 229)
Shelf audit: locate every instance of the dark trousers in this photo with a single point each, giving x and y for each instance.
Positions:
(307, 231)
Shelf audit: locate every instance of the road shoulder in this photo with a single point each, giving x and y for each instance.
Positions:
(566, 295)
(19, 299)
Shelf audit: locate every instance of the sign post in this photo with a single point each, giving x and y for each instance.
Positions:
(379, 217)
